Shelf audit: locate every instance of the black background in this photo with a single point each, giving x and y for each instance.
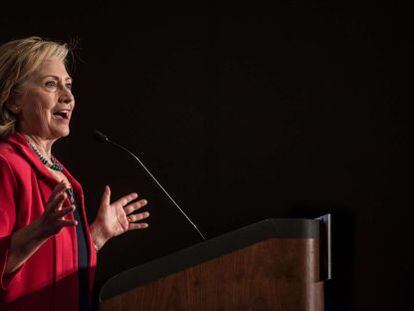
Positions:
(292, 110)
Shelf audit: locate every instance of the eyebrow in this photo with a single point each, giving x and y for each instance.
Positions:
(57, 78)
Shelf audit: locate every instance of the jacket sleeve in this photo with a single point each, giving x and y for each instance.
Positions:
(8, 189)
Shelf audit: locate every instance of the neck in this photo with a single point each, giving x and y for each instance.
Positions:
(43, 145)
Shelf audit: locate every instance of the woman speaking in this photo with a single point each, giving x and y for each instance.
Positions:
(47, 248)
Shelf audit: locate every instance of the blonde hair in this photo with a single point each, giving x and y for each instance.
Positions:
(18, 60)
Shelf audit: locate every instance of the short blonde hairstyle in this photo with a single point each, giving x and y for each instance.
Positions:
(19, 59)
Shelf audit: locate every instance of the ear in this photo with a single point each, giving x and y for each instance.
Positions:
(12, 104)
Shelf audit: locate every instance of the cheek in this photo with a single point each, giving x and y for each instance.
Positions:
(39, 106)
(40, 112)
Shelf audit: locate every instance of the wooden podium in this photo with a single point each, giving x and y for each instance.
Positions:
(274, 264)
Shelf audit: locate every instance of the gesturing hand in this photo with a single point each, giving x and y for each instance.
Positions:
(118, 217)
(52, 220)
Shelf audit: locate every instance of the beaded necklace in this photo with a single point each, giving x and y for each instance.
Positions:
(52, 163)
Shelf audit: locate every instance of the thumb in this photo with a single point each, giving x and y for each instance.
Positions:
(106, 197)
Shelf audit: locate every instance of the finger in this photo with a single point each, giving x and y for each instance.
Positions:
(60, 203)
(56, 203)
(133, 226)
(65, 182)
(63, 212)
(66, 223)
(135, 206)
(106, 196)
(126, 199)
(136, 217)
(59, 188)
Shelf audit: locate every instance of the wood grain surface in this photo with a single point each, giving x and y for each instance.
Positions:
(277, 274)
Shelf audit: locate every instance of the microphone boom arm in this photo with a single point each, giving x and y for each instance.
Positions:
(104, 138)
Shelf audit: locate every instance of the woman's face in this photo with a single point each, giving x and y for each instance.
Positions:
(46, 103)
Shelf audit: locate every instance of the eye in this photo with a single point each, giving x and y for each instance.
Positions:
(69, 86)
(51, 84)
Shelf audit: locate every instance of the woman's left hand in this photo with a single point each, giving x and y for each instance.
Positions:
(117, 217)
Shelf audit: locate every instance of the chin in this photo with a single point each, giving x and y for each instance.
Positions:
(66, 133)
(60, 133)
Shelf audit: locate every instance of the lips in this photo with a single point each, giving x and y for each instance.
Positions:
(62, 114)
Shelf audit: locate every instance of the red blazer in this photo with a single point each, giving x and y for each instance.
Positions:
(48, 279)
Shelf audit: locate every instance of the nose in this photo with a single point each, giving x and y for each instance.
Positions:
(66, 96)
(66, 99)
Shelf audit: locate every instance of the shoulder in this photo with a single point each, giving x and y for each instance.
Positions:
(12, 160)
(7, 175)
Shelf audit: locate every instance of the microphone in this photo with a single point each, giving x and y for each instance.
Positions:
(99, 136)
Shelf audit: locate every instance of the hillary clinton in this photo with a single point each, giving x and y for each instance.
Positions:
(47, 248)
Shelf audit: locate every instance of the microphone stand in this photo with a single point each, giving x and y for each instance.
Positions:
(103, 138)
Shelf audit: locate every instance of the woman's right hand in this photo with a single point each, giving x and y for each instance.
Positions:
(53, 218)
(27, 240)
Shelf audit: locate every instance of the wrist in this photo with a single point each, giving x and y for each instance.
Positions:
(99, 238)
(35, 234)
(23, 244)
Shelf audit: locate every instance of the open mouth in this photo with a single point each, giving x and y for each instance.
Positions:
(62, 114)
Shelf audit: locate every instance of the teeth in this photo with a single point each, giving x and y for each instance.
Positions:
(63, 112)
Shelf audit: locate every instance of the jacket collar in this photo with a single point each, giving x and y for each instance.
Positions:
(21, 145)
